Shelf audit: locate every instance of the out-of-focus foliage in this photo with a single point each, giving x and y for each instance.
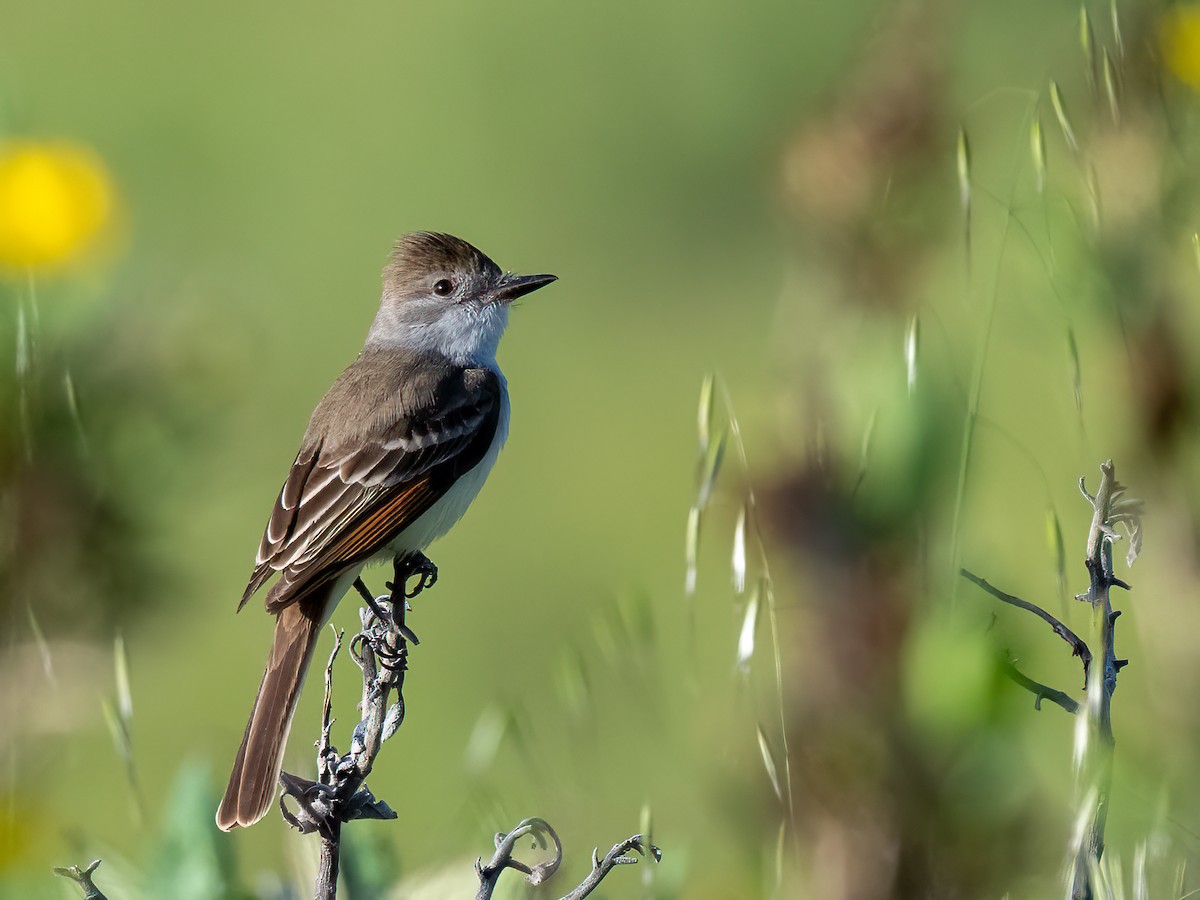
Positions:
(1180, 36)
(944, 259)
(1060, 289)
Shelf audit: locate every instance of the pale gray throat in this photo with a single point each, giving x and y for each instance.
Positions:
(466, 333)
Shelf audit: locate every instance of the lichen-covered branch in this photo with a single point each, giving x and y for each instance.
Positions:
(543, 836)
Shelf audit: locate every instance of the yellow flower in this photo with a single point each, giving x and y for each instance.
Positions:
(1179, 35)
(55, 200)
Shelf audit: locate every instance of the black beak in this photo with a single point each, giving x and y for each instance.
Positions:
(513, 286)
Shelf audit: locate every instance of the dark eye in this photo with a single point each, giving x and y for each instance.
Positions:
(444, 287)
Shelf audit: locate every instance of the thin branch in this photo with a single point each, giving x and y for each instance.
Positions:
(1078, 647)
(543, 835)
(1041, 691)
(617, 856)
(83, 878)
(539, 830)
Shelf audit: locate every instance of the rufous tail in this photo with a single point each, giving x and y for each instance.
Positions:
(256, 770)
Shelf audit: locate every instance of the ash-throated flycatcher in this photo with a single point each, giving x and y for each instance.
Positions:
(394, 454)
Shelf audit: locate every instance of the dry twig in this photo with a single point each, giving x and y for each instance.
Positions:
(539, 830)
(340, 793)
(83, 878)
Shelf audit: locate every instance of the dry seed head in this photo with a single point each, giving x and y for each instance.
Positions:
(704, 419)
(963, 163)
(1111, 88)
(739, 553)
(1060, 113)
(1087, 41)
(748, 634)
(912, 339)
(768, 757)
(1037, 149)
(691, 550)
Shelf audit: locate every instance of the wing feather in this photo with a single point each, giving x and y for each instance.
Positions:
(346, 499)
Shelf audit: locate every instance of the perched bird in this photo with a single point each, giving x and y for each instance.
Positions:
(394, 454)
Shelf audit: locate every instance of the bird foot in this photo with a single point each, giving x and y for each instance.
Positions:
(416, 565)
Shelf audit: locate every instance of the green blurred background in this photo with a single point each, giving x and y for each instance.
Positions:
(777, 192)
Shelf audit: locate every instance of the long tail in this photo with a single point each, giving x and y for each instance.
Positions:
(256, 769)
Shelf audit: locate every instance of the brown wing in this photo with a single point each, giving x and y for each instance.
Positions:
(346, 497)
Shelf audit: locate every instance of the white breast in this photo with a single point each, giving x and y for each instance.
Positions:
(440, 517)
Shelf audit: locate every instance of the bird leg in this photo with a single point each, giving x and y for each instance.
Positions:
(388, 615)
(405, 568)
(369, 599)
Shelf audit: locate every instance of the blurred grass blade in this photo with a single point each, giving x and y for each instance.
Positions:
(1054, 538)
(116, 730)
(1079, 748)
(739, 553)
(1112, 876)
(780, 842)
(23, 364)
(1093, 189)
(73, 410)
(124, 694)
(1111, 89)
(912, 339)
(749, 632)
(704, 416)
(1196, 248)
(573, 684)
(120, 722)
(646, 823)
(710, 469)
(1141, 888)
(39, 639)
(485, 739)
(963, 163)
(1060, 113)
(23, 354)
(1087, 41)
(864, 455)
(768, 758)
(123, 744)
(692, 551)
(1076, 372)
(1037, 149)
(646, 830)
(1118, 40)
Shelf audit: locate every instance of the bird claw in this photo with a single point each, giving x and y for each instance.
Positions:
(418, 565)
